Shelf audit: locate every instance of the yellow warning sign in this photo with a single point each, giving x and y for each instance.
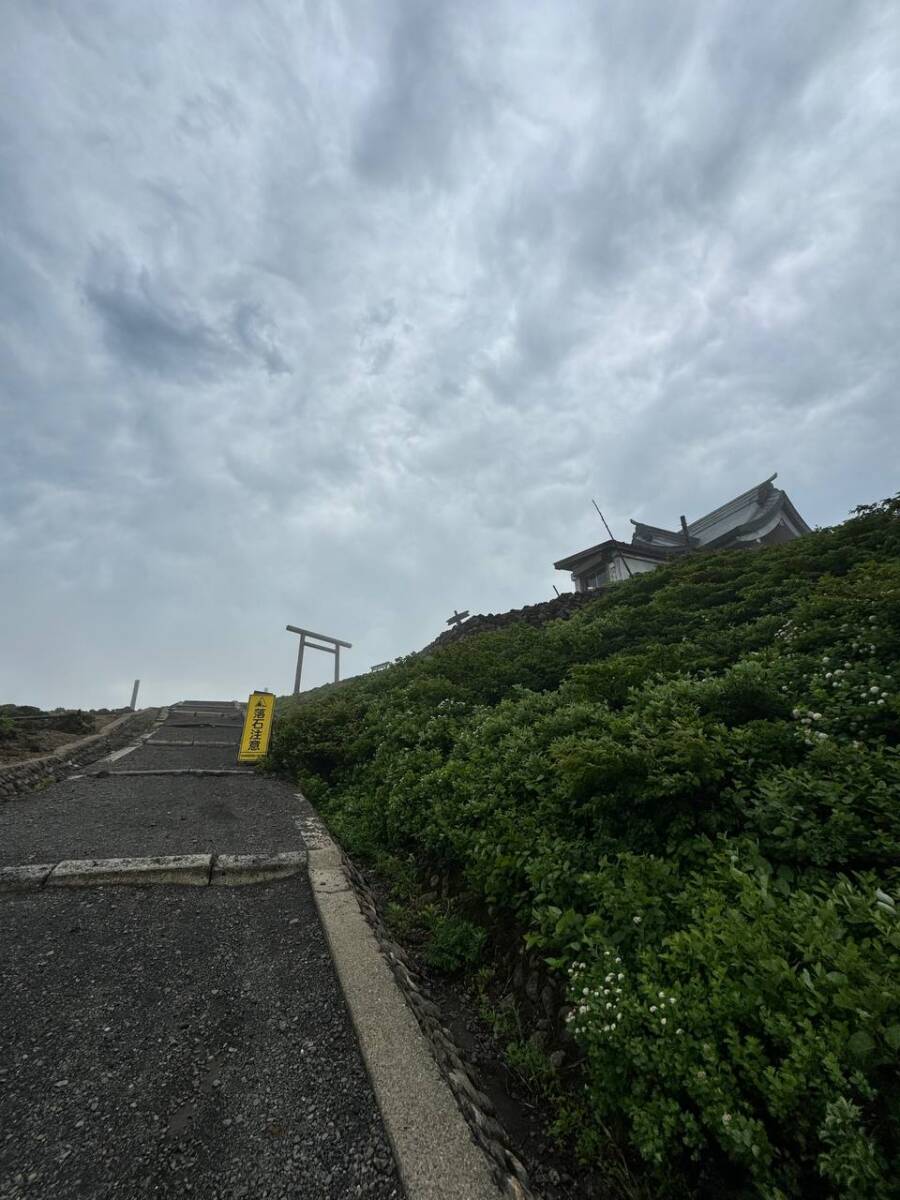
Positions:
(257, 726)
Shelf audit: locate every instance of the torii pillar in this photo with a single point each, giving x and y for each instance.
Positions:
(334, 648)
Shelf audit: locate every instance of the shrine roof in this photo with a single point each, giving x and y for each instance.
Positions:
(727, 524)
(607, 549)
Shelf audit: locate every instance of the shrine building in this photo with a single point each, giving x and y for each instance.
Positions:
(763, 516)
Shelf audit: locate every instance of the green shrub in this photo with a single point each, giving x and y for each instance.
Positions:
(453, 943)
(532, 1066)
(694, 781)
(731, 1039)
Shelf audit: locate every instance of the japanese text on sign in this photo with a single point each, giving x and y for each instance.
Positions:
(257, 726)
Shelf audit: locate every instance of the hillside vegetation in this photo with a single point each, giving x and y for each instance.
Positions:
(686, 799)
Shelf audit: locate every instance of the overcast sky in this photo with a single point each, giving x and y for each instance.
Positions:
(340, 314)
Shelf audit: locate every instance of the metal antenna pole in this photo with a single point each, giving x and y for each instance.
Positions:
(609, 531)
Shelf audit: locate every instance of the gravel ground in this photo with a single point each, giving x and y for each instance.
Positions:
(154, 758)
(200, 733)
(222, 707)
(175, 1042)
(154, 814)
(203, 720)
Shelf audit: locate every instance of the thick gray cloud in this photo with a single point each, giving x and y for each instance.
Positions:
(339, 314)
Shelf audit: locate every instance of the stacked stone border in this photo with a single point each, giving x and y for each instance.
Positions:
(34, 773)
(476, 1107)
(560, 608)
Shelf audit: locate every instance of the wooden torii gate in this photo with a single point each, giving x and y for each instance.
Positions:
(334, 648)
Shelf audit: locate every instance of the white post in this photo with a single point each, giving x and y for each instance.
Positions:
(337, 663)
(134, 692)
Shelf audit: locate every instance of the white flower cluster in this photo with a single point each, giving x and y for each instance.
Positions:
(600, 1003)
(835, 677)
(598, 1009)
(807, 719)
(787, 632)
(863, 647)
(857, 684)
(658, 1011)
(874, 696)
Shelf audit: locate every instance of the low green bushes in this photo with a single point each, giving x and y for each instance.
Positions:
(757, 1037)
(686, 798)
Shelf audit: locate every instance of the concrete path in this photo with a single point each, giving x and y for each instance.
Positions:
(173, 1041)
(180, 1042)
(108, 811)
(169, 1041)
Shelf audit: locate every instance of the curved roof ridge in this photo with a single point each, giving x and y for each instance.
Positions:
(675, 533)
(734, 505)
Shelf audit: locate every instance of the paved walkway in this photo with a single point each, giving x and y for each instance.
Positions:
(175, 1041)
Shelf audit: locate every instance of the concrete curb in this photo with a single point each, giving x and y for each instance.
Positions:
(231, 869)
(192, 742)
(24, 879)
(508, 1170)
(435, 1154)
(199, 712)
(194, 771)
(176, 724)
(193, 870)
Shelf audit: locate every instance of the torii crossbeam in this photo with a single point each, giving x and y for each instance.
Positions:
(334, 648)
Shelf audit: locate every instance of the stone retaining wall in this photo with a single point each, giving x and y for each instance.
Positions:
(558, 609)
(33, 773)
(477, 1108)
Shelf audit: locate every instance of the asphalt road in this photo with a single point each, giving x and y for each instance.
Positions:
(168, 1041)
